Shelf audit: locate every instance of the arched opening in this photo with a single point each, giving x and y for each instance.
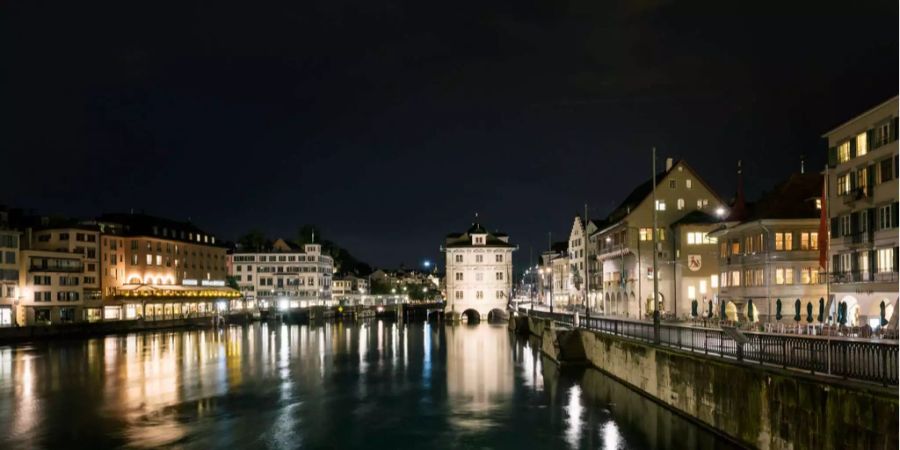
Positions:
(497, 315)
(731, 311)
(470, 316)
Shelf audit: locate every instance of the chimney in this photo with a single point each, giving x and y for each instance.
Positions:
(668, 164)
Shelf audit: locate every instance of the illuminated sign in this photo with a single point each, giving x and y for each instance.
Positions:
(219, 283)
(189, 282)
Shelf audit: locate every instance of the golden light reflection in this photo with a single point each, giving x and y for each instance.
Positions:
(480, 374)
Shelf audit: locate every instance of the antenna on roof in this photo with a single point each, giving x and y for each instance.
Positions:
(802, 164)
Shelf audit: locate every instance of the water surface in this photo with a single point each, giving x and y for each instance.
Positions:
(375, 385)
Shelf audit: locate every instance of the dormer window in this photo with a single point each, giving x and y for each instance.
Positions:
(478, 239)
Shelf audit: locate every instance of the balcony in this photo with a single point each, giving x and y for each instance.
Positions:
(863, 277)
(857, 194)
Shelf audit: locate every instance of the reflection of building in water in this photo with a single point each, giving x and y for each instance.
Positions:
(479, 373)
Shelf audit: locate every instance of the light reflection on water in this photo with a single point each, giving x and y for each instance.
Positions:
(373, 385)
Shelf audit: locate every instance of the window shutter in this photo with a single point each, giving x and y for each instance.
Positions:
(835, 231)
(854, 262)
(836, 263)
(871, 225)
(894, 130)
(870, 177)
(870, 139)
(854, 223)
(852, 148)
(832, 156)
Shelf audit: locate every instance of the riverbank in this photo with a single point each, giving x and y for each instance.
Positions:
(757, 406)
(13, 335)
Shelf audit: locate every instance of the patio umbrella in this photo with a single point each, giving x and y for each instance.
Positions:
(797, 310)
(778, 309)
(693, 308)
(821, 310)
(842, 313)
(809, 309)
(722, 309)
(710, 313)
(750, 310)
(883, 319)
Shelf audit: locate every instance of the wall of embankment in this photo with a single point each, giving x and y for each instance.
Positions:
(757, 406)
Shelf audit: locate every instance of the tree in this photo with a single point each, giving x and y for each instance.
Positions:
(254, 240)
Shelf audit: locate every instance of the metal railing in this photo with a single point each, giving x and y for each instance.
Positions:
(848, 358)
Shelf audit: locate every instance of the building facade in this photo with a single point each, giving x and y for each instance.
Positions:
(51, 291)
(287, 276)
(479, 273)
(863, 210)
(625, 245)
(9, 275)
(772, 255)
(584, 269)
(77, 240)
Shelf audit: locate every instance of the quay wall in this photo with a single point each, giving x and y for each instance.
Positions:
(756, 406)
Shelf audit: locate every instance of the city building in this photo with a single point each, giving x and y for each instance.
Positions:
(547, 283)
(9, 274)
(772, 254)
(285, 276)
(584, 269)
(696, 262)
(76, 239)
(51, 291)
(625, 244)
(479, 273)
(156, 268)
(863, 210)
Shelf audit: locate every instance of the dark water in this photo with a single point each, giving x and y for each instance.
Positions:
(377, 385)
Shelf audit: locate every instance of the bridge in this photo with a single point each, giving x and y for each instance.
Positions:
(353, 307)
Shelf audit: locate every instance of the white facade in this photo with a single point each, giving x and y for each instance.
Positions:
(9, 276)
(479, 273)
(286, 276)
(862, 205)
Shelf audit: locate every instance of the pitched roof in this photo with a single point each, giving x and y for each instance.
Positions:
(696, 217)
(465, 240)
(635, 197)
(793, 198)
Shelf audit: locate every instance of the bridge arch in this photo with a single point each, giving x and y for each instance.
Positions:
(497, 315)
(471, 315)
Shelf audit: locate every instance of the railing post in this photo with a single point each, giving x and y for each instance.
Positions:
(884, 365)
(616, 327)
(784, 352)
(705, 341)
(844, 354)
(740, 351)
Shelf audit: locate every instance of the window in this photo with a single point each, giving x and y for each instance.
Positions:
(64, 236)
(735, 247)
(881, 135)
(479, 258)
(149, 259)
(844, 152)
(498, 258)
(499, 276)
(500, 294)
(459, 258)
(661, 234)
(735, 278)
(479, 295)
(845, 225)
(459, 295)
(697, 238)
(646, 234)
(884, 171)
(809, 275)
(885, 260)
(784, 275)
(479, 276)
(459, 276)
(673, 183)
(809, 241)
(861, 144)
(843, 184)
(680, 204)
(688, 184)
(884, 217)
(660, 205)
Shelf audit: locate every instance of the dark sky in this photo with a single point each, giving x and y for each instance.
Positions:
(388, 124)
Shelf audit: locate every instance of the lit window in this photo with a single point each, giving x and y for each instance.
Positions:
(680, 204)
(843, 152)
(703, 287)
(660, 205)
(149, 259)
(688, 183)
(885, 261)
(861, 144)
(692, 292)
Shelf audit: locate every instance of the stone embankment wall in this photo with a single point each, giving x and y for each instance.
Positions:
(757, 406)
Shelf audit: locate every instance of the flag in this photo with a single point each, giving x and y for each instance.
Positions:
(823, 227)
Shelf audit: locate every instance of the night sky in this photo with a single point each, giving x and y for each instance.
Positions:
(389, 124)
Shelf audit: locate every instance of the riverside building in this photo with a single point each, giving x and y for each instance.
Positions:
(479, 273)
(863, 210)
(286, 276)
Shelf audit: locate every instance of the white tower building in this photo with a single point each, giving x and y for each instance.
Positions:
(479, 273)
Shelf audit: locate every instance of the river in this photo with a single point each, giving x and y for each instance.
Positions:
(375, 385)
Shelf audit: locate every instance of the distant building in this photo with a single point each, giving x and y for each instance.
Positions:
(625, 247)
(287, 275)
(549, 287)
(51, 288)
(772, 253)
(479, 272)
(862, 205)
(584, 269)
(75, 239)
(9, 275)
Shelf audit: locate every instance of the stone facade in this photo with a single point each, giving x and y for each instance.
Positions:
(479, 273)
